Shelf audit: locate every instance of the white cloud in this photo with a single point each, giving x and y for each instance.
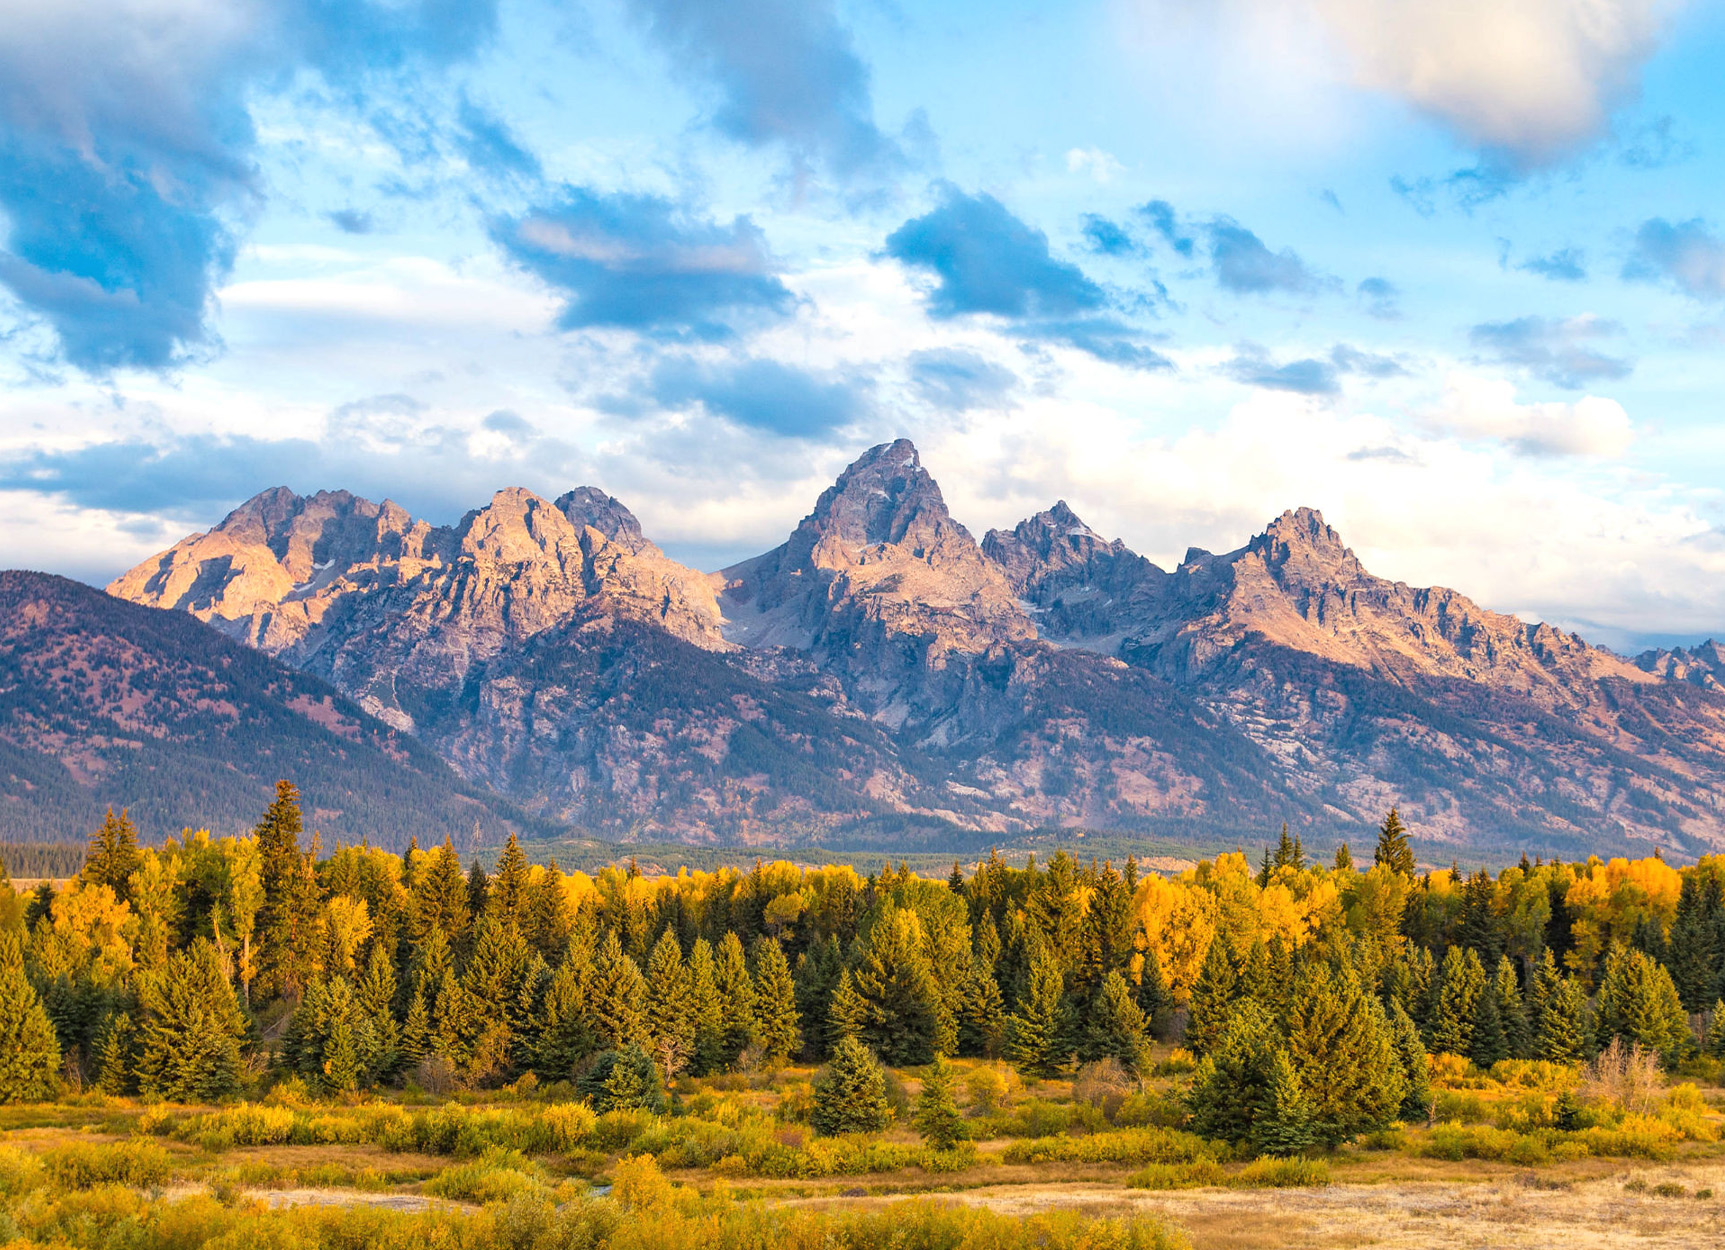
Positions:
(1101, 166)
(1486, 408)
(1534, 80)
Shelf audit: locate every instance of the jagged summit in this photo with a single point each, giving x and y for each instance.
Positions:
(1044, 675)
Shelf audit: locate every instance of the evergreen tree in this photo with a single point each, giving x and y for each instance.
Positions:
(1511, 1011)
(1214, 994)
(736, 998)
(478, 890)
(1695, 932)
(848, 1014)
(456, 1020)
(850, 1092)
(1393, 850)
(817, 976)
(1415, 1063)
(1490, 1041)
(707, 1010)
(619, 995)
(114, 1056)
(936, 1117)
(1480, 931)
(981, 1011)
(113, 855)
(776, 1023)
(1344, 860)
(564, 1035)
(289, 933)
(1460, 987)
(903, 1020)
(189, 1028)
(1716, 1030)
(546, 919)
(1105, 938)
(439, 897)
(1343, 1050)
(1114, 1027)
(1036, 1042)
(507, 896)
(670, 1007)
(416, 1030)
(1563, 1032)
(377, 1006)
(623, 1080)
(1155, 999)
(29, 1050)
(1638, 1002)
(1234, 1091)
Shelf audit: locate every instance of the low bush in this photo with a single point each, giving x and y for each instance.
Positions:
(496, 1176)
(1201, 1174)
(20, 1172)
(1138, 1145)
(84, 1165)
(1282, 1174)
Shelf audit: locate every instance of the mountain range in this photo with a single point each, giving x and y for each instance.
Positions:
(883, 670)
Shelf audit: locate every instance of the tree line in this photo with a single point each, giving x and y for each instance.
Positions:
(1310, 994)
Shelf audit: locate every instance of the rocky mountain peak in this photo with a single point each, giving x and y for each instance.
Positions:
(885, 496)
(589, 507)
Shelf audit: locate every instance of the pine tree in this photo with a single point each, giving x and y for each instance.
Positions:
(1694, 951)
(1460, 987)
(1231, 1092)
(546, 919)
(1155, 999)
(1489, 1042)
(377, 1003)
(848, 1013)
(1288, 1125)
(817, 976)
(439, 899)
(189, 1028)
(1036, 1034)
(288, 925)
(416, 1031)
(564, 1035)
(507, 897)
(619, 995)
(982, 1013)
(1638, 1002)
(113, 855)
(1105, 937)
(850, 1092)
(623, 1080)
(1415, 1062)
(1344, 859)
(1511, 1011)
(736, 999)
(1114, 1027)
(1393, 850)
(904, 1017)
(29, 1050)
(456, 1020)
(776, 1024)
(936, 1117)
(707, 1010)
(1343, 1049)
(114, 1056)
(1562, 1032)
(478, 890)
(1214, 995)
(1716, 1030)
(670, 1007)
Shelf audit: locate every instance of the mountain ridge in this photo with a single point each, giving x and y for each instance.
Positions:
(1042, 676)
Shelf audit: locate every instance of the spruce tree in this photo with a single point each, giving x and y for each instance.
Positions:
(377, 1004)
(1288, 1125)
(289, 933)
(670, 1007)
(189, 1028)
(507, 897)
(1114, 1027)
(817, 976)
(113, 855)
(1415, 1063)
(1036, 1034)
(776, 1025)
(1716, 1029)
(1231, 1094)
(478, 890)
(29, 1050)
(416, 1031)
(114, 1056)
(1511, 1011)
(848, 1014)
(1460, 987)
(439, 899)
(1214, 994)
(1489, 1042)
(1344, 862)
(850, 1092)
(904, 1016)
(1562, 1031)
(736, 997)
(1155, 999)
(564, 1035)
(1638, 1002)
(707, 1010)
(981, 1013)
(1694, 951)
(619, 994)
(936, 1117)
(1343, 1049)
(1393, 850)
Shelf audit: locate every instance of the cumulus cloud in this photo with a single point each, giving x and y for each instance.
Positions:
(1686, 254)
(1107, 237)
(1244, 265)
(986, 261)
(1102, 166)
(1163, 220)
(489, 146)
(1317, 376)
(1567, 264)
(1483, 408)
(639, 262)
(959, 380)
(764, 395)
(1556, 350)
(784, 72)
(1381, 297)
(1530, 82)
(126, 147)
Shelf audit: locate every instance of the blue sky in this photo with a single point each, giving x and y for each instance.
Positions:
(1453, 273)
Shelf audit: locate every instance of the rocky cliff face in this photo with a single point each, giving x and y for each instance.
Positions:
(881, 665)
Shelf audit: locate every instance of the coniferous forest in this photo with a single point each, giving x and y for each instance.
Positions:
(494, 1038)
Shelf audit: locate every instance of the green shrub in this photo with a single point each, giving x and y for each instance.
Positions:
(1197, 1175)
(1281, 1174)
(20, 1172)
(496, 1176)
(84, 1165)
(1138, 1145)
